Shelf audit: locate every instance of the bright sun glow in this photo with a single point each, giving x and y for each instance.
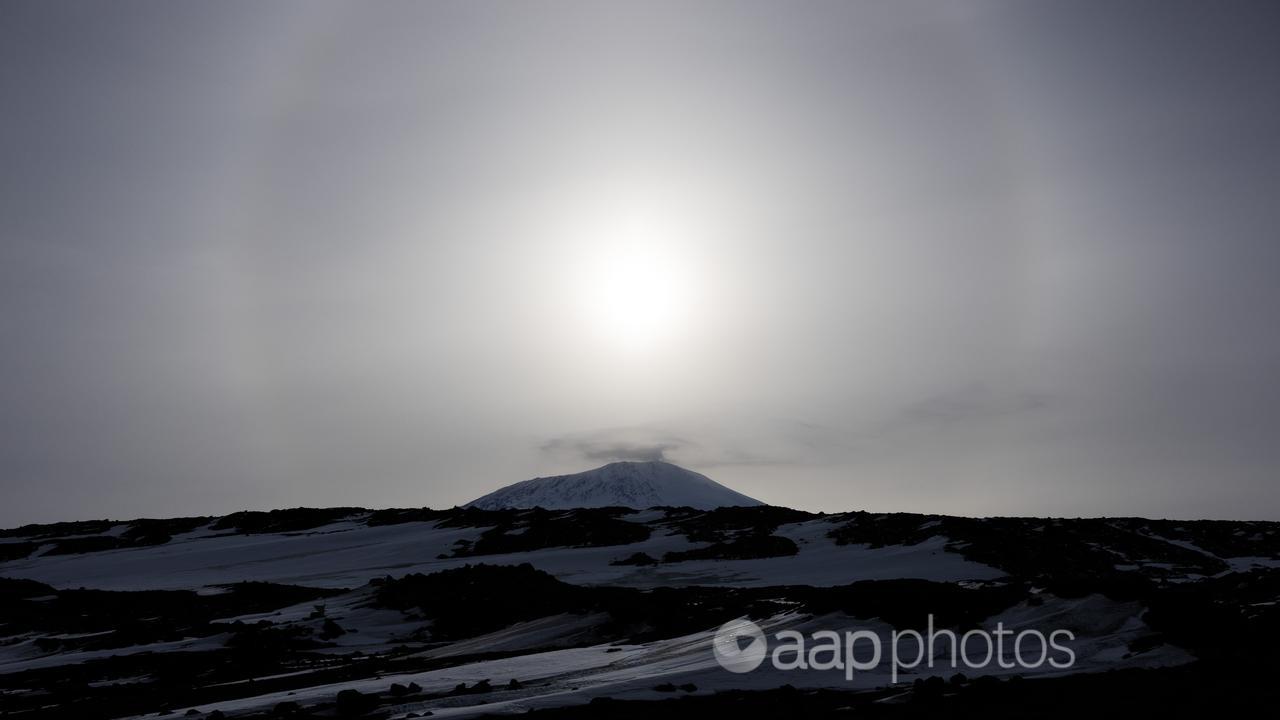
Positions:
(636, 286)
(638, 300)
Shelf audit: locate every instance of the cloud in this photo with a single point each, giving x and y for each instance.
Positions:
(612, 446)
(971, 403)
(704, 449)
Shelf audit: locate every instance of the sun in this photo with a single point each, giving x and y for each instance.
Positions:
(638, 299)
(636, 287)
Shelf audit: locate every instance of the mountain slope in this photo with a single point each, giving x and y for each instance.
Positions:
(628, 484)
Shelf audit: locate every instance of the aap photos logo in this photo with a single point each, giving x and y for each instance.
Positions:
(740, 646)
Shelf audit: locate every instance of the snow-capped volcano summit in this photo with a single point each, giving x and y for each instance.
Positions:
(628, 484)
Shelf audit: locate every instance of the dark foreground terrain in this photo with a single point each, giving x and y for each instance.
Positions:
(609, 613)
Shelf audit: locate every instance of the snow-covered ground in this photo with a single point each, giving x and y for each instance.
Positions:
(349, 554)
(1103, 630)
(569, 653)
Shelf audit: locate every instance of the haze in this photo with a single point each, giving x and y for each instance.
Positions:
(965, 257)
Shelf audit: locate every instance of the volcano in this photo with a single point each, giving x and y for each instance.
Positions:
(626, 484)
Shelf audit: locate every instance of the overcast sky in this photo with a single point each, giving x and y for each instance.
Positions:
(961, 257)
